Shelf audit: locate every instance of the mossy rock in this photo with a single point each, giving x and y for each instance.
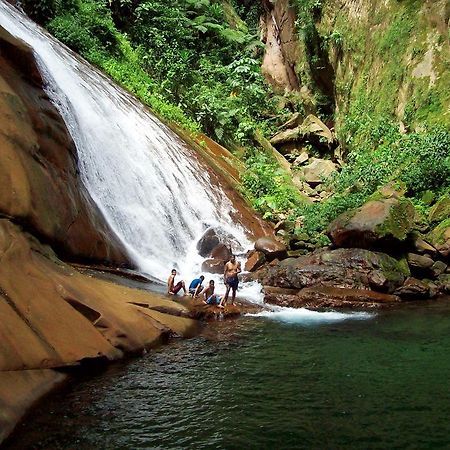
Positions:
(384, 220)
(439, 237)
(440, 210)
(400, 220)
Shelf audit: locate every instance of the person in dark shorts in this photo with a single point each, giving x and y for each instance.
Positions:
(230, 275)
(173, 288)
(196, 286)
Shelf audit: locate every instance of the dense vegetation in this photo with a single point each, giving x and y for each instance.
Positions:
(197, 63)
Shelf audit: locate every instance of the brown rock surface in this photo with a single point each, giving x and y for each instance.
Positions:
(319, 297)
(254, 261)
(413, 289)
(52, 315)
(213, 266)
(38, 172)
(271, 248)
(19, 390)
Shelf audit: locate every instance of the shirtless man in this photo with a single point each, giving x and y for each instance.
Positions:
(230, 275)
(209, 298)
(173, 288)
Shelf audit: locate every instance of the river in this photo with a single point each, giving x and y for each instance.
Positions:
(305, 381)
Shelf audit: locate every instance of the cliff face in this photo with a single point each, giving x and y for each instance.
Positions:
(382, 56)
(39, 180)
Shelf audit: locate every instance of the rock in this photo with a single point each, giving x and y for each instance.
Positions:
(312, 130)
(439, 237)
(20, 390)
(438, 268)
(293, 121)
(319, 297)
(315, 131)
(444, 283)
(221, 252)
(343, 268)
(213, 266)
(422, 246)
(419, 261)
(271, 248)
(302, 158)
(54, 316)
(212, 238)
(392, 190)
(254, 261)
(317, 170)
(377, 222)
(440, 210)
(413, 289)
(283, 137)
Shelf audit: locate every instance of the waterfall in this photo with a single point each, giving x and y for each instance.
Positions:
(147, 182)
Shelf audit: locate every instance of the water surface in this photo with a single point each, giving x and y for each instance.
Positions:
(360, 383)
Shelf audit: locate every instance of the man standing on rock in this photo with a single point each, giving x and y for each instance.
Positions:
(230, 275)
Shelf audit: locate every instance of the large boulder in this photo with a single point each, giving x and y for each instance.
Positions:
(317, 170)
(413, 289)
(213, 265)
(213, 238)
(271, 248)
(343, 268)
(439, 237)
(385, 221)
(254, 261)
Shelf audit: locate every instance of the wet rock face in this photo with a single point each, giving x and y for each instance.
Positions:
(63, 316)
(54, 316)
(38, 172)
(215, 240)
(378, 222)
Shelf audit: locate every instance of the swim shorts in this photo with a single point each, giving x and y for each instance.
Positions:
(232, 282)
(213, 299)
(177, 287)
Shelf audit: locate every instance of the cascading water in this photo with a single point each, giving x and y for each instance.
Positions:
(149, 185)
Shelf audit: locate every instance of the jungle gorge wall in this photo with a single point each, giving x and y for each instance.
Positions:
(384, 57)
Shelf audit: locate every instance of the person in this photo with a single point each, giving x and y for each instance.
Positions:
(215, 299)
(208, 291)
(209, 297)
(230, 275)
(173, 288)
(196, 286)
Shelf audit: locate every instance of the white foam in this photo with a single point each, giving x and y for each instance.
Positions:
(306, 317)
